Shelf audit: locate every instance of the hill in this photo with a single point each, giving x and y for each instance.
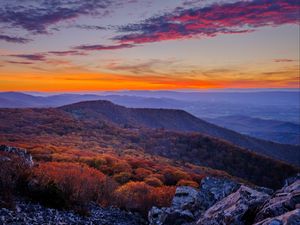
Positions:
(58, 135)
(273, 130)
(177, 120)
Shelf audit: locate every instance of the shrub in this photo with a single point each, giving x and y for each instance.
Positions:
(163, 196)
(106, 195)
(153, 181)
(13, 175)
(139, 196)
(121, 166)
(122, 177)
(159, 176)
(141, 173)
(172, 176)
(135, 196)
(75, 184)
(188, 183)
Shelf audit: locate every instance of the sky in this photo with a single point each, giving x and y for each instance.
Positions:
(94, 45)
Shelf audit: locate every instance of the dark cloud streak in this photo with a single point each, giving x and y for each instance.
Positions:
(20, 62)
(33, 57)
(14, 39)
(66, 53)
(103, 47)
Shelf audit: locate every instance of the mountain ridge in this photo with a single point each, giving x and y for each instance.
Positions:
(267, 129)
(178, 120)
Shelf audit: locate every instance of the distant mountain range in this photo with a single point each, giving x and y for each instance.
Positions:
(219, 108)
(273, 130)
(279, 105)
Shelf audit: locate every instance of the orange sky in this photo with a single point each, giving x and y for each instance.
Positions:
(158, 45)
(91, 81)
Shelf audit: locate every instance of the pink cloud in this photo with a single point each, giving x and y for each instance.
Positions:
(210, 21)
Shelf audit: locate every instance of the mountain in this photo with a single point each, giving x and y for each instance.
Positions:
(190, 123)
(78, 133)
(272, 130)
(257, 97)
(19, 100)
(22, 100)
(177, 120)
(200, 104)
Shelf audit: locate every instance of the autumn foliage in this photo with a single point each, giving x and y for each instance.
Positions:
(77, 184)
(13, 174)
(139, 196)
(78, 161)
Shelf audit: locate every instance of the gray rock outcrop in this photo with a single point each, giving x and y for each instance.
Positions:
(282, 202)
(224, 202)
(289, 218)
(188, 203)
(237, 208)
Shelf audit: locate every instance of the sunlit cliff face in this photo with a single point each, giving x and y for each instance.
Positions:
(73, 45)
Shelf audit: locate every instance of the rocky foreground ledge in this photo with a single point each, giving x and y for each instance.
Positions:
(217, 202)
(27, 213)
(224, 202)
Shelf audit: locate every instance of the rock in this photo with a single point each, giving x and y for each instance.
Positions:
(35, 214)
(184, 204)
(283, 201)
(265, 190)
(169, 216)
(185, 198)
(289, 218)
(236, 208)
(214, 189)
(291, 180)
(188, 203)
(19, 152)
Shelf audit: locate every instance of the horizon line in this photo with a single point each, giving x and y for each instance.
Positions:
(240, 90)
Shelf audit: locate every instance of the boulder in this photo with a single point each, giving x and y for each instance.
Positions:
(188, 203)
(284, 200)
(237, 208)
(289, 218)
(185, 198)
(214, 189)
(184, 204)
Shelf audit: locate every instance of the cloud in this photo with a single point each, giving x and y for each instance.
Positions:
(102, 47)
(147, 67)
(42, 56)
(14, 39)
(66, 53)
(284, 60)
(33, 57)
(219, 18)
(90, 27)
(37, 16)
(19, 62)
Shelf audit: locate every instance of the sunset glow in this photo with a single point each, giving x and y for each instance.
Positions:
(148, 45)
